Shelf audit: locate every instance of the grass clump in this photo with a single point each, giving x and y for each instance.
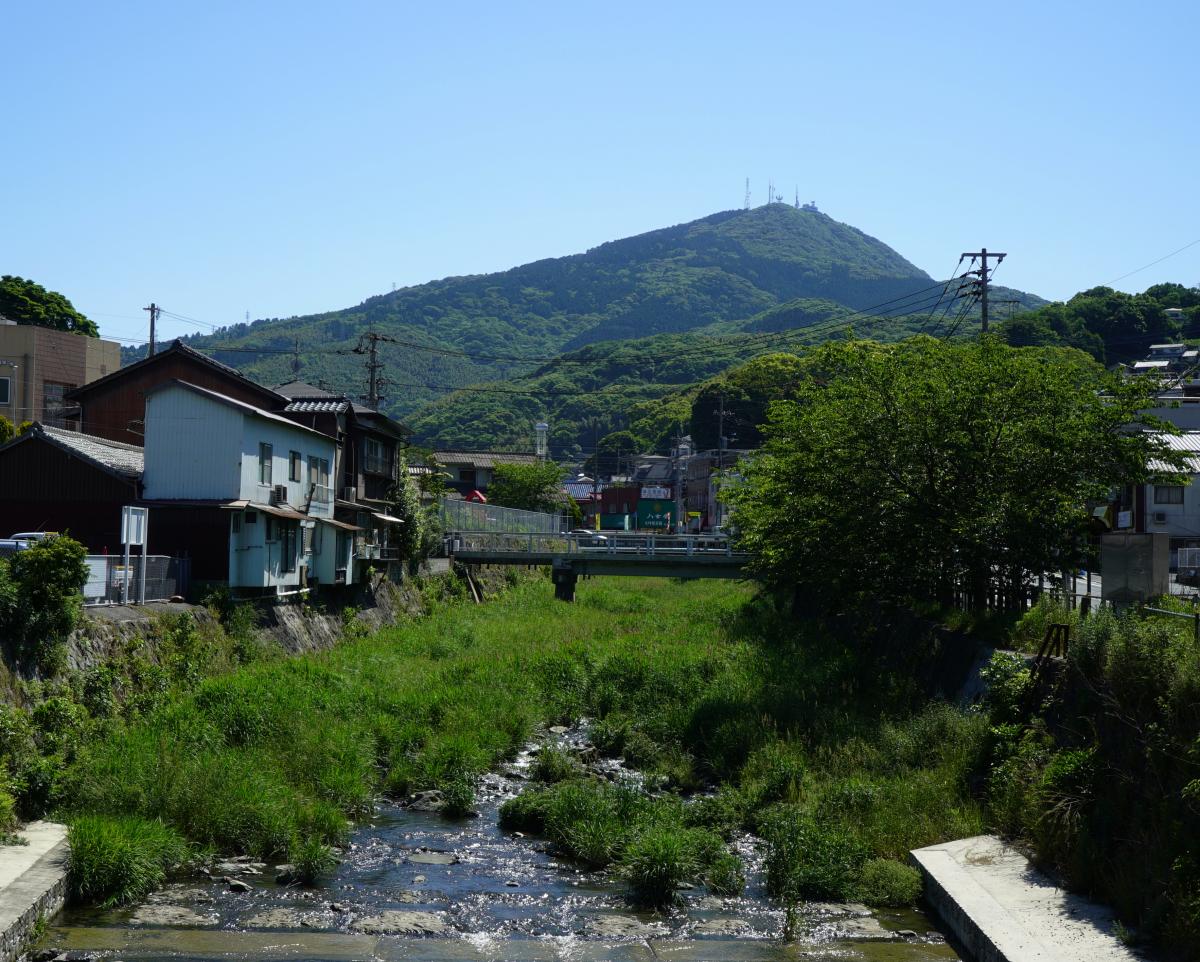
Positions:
(554, 764)
(889, 884)
(658, 861)
(311, 860)
(115, 861)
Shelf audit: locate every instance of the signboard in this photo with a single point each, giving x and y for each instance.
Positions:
(133, 525)
(655, 514)
(656, 494)
(1124, 519)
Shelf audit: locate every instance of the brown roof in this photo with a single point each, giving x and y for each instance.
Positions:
(484, 459)
(177, 347)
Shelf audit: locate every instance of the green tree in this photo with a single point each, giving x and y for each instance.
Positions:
(40, 597)
(8, 430)
(746, 392)
(900, 471)
(419, 530)
(25, 302)
(530, 487)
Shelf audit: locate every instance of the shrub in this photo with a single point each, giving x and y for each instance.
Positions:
(459, 795)
(526, 812)
(724, 875)
(888, 883)
(117, 860)
(47, 580)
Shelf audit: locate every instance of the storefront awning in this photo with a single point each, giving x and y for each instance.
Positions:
(272, 509)
(387, 518)
(345, 526)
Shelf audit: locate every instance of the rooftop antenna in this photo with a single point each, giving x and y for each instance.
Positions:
(746, 204)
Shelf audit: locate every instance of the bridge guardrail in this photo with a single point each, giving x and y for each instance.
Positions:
(592, 545)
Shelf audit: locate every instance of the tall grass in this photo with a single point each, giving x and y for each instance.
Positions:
(694, 684)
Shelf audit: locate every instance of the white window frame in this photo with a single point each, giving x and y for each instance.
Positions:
(266, 455)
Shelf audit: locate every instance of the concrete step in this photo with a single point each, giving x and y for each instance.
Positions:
(33, 879)
(1002, 909)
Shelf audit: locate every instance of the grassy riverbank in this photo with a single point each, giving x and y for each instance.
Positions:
(697, 684)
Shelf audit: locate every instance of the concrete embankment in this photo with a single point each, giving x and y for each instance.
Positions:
(33, 882)
(1002, 909)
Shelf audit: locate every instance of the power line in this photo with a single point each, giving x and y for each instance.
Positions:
(1152, 263)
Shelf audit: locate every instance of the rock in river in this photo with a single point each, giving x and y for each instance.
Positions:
(168, 915)
(430, 801)
(404, 923)
(623, 927)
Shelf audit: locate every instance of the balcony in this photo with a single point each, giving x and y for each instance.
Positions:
(321, 494)
(375, 464)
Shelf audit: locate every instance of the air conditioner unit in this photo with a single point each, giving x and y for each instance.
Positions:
(349, 494)
(279, 494)
(1160, 517)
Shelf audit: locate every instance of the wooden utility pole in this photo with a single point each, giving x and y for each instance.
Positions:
(153, 309)
(982, 283)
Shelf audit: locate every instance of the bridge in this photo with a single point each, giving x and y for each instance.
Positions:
(602, 553)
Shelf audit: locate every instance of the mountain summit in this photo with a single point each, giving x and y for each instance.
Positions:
(727, 267)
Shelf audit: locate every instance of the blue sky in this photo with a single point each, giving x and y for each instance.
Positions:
(284, 158)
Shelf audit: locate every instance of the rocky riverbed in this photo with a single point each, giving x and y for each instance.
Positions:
(413, 884)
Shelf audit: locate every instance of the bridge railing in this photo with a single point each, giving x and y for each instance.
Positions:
(592, 545)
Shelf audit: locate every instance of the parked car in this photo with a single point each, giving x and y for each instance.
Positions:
(32, 535)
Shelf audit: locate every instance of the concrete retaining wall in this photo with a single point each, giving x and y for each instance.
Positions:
(33, 884)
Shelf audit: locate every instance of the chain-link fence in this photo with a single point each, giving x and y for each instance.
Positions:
(112, 582)
(472, 516)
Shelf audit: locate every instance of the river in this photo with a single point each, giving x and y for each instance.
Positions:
(416, 885)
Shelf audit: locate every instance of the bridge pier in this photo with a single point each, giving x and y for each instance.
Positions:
(565, 579)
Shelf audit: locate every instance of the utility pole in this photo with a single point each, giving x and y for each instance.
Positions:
(596, 470)
(982, 283)
(720, 412)
(153, 309)
(374, 381)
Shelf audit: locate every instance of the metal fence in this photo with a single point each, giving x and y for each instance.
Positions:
(471, 516)
(111, 582)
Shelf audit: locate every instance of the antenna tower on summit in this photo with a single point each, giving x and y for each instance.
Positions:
(746, 203)
(770, 191)
(797, 197)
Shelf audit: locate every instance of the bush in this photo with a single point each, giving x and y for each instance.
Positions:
(117, 860)
(45, 582)
(889, 884)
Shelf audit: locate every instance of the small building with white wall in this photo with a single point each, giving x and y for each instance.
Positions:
(266, 479)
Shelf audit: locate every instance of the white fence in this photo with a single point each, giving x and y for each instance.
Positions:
(459, 516)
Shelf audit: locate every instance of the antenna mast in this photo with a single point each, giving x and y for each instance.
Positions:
(746, 203)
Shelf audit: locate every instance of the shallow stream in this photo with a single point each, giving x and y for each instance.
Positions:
(416, 885)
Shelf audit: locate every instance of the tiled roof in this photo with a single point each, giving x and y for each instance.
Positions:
(301, 389)
(127, 459)
(317, 406)
(484, 459)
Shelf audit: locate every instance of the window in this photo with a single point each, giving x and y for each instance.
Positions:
(251, 517)
(264, 463)
(237, 522)
(1168, 494)
(287, 534)
(5, 390)
(318, 479)
(467, 476)
(54, 403)
(294, 466)
(377, 457)
(271, 526)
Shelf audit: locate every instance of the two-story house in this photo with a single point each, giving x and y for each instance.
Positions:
(368, 460)
(250, 478)
(468, 471)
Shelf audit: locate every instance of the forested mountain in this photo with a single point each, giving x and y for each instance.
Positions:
(641, 319)
(722, 268)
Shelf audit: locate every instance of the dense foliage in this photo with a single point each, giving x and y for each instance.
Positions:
(530, 487)
(1110, 325)
(1100, 773)
(40, 599)
(904, 472)
(744, 393)
(25, 302)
